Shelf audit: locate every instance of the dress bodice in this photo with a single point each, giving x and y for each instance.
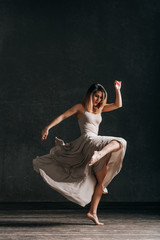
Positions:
(89, 122)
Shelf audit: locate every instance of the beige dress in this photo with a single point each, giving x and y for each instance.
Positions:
(66, 167)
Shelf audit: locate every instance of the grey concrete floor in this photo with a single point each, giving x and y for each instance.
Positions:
(73, 224)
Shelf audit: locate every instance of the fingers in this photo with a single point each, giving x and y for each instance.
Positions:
(117, 84)
(44, 136)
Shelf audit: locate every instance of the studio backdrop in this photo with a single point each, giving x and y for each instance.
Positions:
(50, 53)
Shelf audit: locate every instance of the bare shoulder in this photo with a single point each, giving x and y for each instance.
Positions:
(80, 110)
(77, 107)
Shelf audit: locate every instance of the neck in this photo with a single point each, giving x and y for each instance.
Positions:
(95, 109)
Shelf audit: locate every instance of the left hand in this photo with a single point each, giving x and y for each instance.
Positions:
(45, 132)
(117, 85)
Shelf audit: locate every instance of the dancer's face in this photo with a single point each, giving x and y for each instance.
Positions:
(97, 97)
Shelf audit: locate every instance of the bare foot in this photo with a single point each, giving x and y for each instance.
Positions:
(95, 158)
(94, 218)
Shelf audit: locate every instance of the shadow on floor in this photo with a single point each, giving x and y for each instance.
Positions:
(41, 224)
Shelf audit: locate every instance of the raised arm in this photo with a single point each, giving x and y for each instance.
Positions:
(118, 101)
(73, 110)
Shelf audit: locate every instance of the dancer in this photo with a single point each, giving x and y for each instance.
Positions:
(82, 169)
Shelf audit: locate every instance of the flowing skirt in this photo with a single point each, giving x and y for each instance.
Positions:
(66, 168)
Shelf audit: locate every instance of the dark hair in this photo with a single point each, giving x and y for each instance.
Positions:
(87, 101)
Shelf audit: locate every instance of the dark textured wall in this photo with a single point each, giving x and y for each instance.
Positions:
(50, 53)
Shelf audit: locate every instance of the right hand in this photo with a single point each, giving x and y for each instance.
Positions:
(45, 132)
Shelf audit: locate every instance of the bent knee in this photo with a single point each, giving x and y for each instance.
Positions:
(123, 142)
(117, 145)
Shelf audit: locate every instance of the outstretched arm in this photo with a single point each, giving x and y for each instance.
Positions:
(60, 118)
(118, 101)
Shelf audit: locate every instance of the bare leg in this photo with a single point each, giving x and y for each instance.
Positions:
(113, 146)
(92, 214)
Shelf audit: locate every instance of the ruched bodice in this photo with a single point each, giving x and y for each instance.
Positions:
(89, 123)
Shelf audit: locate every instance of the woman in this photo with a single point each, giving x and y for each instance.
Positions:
(81, 170)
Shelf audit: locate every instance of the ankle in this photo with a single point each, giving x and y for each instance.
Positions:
(93, 213)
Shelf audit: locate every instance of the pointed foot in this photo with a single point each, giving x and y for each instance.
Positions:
(94, 218)
(95, 158)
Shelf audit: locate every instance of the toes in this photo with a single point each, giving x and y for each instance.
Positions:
(93, 159)
(90, 163)
(99, 223)
(94, 218)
